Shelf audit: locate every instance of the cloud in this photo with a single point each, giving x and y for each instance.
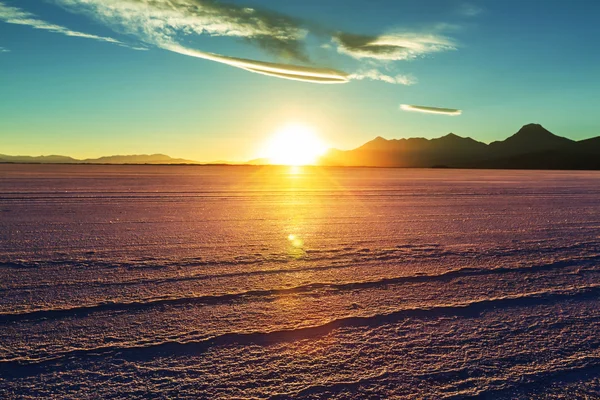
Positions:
(431, 110)
(376, 75)
(3, 50)
(161, 21)
(391, 47)
(470, 10)
(285, 71)
(14, 15)
(169, 24)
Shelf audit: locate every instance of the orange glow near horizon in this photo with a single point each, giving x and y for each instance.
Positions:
(295, 145)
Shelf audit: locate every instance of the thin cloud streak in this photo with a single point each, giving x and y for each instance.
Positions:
(431, 110)
(14, 15)
(285, 71)
(292, 72)
(3, 50)
(376, 75)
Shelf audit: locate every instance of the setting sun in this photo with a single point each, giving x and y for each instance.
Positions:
(295, 145)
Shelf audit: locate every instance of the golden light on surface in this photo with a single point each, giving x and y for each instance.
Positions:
(296, 241)
(295, 145)
(296, 247)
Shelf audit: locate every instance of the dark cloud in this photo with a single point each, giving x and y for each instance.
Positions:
(393, 46)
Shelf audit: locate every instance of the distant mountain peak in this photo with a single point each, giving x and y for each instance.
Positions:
(452, 136)
(530, 138)
(377, 143)
(534, 129)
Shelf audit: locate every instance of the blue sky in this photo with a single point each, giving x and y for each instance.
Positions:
(100, 77)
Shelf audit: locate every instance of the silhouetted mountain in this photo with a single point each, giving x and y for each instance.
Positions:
(414, 152)
(530, 139)
(532, 147)
(131, 159)
(589, 145)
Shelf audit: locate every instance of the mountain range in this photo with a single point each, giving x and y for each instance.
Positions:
(532, 147)
(131, 159)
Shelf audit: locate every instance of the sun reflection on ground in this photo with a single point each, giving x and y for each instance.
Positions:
(295, 169)
(296, 241)
(296, 247)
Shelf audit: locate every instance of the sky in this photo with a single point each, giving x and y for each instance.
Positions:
(212, 80)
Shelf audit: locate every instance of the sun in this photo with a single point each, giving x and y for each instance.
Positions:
(295, 145)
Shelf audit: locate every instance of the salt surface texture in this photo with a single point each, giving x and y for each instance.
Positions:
(250, 282)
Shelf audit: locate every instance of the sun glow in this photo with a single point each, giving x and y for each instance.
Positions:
(295, 145)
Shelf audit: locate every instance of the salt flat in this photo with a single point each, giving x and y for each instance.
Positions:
(280, 282)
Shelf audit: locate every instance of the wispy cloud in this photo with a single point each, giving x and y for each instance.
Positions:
(168, 24)
(394, 47)
(163, 22)
(470, 10)
(14, 15)
(431, 110)
(3, 50)
(160, 21)
(376, 75)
